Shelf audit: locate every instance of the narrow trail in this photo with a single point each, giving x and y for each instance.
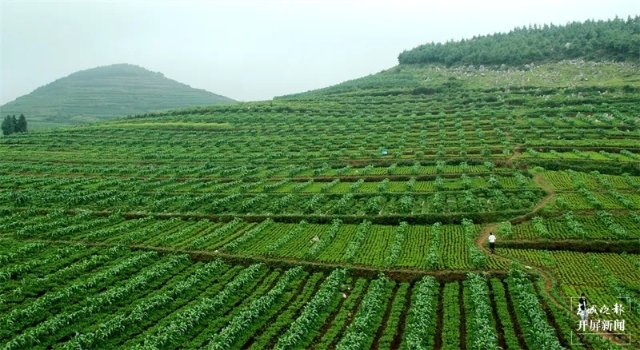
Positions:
(547, 187)
(546, 274)
(484, 235)
(517, 152)
(491, 227)
(551, 192)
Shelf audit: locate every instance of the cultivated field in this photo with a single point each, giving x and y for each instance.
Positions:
(352, 217)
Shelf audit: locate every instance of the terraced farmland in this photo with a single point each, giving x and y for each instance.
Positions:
(352, 217)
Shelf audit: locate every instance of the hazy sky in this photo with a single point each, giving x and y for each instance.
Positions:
(252, 50)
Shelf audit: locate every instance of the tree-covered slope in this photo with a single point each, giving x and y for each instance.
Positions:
(104, 92)
(579, 55)
(613, 40)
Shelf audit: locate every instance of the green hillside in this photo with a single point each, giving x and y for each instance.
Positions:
(105, 92)
(612, 40)
(426, 80)
(351, 217)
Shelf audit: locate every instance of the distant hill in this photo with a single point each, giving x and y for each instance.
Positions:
(105, 92)
(612, 40)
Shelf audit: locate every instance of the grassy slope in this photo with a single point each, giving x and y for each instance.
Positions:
(407, 78)
(106, 92)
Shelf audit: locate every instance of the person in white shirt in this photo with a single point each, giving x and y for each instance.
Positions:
(492, 242)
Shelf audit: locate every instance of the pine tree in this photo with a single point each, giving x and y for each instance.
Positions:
(21, 125)
(8, 126)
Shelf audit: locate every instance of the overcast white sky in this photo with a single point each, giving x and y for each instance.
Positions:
(256, 49)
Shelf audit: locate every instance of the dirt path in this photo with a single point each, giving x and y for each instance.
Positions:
(484, 235)
(547, 187)
(546, 274)
(517, 151)
(491, 227)
(548, 281)
(551, 192)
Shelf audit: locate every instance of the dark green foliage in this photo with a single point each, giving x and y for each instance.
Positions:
(615, 40)
(21, 124)
(8, 125)
(12, 125)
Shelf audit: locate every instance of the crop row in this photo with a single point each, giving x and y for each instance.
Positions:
(571, 225)
(582, 269)
(468, 201)
(414, 246)
(169, 301)
(362, 181)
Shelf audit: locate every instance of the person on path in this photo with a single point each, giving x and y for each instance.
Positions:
(582, 306)
(492, 242)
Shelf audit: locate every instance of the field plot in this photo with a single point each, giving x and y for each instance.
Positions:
(275, 225)
(111, 298)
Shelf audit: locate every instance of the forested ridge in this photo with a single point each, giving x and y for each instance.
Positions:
(611, 40)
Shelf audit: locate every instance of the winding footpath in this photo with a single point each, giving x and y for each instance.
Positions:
(546, 274)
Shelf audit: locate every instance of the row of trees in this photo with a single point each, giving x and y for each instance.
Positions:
(11, 124)
(614, 40)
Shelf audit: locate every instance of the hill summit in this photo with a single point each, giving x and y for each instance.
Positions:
(612, 40)
(104, 92)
